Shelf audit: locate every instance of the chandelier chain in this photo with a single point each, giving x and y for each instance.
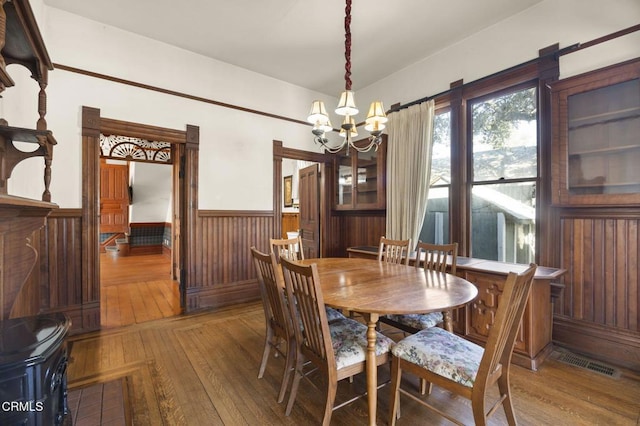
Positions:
(347, 46)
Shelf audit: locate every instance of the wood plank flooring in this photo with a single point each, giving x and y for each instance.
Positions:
(201, 369)
(135, 289)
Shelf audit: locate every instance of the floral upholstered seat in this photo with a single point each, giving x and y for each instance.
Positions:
(349, 340)
(333, 314)
(443, 353)
(418, 321)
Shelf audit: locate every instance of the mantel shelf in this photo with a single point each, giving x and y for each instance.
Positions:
(21, 134)
(11, 205)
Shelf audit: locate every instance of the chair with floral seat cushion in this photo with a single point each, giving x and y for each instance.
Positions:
(338, 350)
(394, 251)
(279, 329)
(291, 248)
(432, 257)
(462, 367)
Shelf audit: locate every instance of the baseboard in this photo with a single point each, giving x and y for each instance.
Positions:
(618, 347)
(222, 295)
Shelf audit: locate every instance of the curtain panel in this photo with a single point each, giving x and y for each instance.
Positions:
(409, 150)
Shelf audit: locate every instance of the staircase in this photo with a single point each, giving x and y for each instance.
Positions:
(117, 246)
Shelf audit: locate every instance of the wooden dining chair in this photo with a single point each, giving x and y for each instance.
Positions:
(279, 329)
(289, 248)
(460, 366)
(394, 251)
(337, 349)
(437, 257)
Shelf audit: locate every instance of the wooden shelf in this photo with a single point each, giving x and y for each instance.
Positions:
(611, 150)
(604, 118)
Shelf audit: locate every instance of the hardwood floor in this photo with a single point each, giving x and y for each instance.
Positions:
(135, 289)
(202, 369)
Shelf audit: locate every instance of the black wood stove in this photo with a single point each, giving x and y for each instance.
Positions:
(33, 370)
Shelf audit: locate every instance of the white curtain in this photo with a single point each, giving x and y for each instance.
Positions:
(409, 150)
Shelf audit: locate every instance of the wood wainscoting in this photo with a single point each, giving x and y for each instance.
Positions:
(598, 311)
(225, 274)
(62, 288)
(355, 228)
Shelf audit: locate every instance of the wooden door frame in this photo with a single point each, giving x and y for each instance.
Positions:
(185, 144)
(326, 174)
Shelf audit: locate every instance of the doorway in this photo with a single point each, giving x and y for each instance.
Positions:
(317, 246)
(136, 218)
(183, 148)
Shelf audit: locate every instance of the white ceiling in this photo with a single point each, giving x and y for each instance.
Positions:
(302, 41)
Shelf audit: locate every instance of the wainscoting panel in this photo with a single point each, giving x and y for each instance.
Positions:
(62, 288)
(359, 228)
(598, 311)
(225, 274)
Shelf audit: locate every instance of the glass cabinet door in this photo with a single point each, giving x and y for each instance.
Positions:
(344, 183)
(596, 146)
(367, 178)
(360, 183)
(604, 146)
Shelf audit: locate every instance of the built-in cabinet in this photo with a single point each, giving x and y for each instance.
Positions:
(596, 212)
(597, 137)
(360, 178)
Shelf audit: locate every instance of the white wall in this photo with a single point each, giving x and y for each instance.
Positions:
(152, 187)
(516, 40)
(235, 146)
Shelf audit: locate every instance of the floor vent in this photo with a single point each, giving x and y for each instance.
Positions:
(588, 364)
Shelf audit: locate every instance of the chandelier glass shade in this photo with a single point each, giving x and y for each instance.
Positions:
(374, 123)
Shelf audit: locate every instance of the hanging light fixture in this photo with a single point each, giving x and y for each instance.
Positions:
(376, 118)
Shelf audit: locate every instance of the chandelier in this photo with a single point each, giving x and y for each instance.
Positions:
(376, 118)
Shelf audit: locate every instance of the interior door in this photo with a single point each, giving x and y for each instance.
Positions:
(114, 198)
(309, 195)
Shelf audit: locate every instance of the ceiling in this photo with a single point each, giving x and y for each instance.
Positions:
(302, 41)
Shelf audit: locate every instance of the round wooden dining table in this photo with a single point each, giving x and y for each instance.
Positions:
(373, 288)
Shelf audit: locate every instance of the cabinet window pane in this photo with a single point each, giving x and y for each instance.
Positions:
(505, 137)
(503, 222)
(604, 149)
(345, 181)
(367, 179)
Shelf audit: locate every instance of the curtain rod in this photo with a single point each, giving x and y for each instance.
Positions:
(556, 53)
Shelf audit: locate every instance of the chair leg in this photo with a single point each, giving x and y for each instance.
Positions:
(328, 406)
(266, 351)
(425, 387)
(297, 375)
(289, 365)
(396, 374)
(505, 389)
(479, 417)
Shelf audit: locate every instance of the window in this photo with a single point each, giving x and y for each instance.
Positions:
(504, 176)
(435, 228)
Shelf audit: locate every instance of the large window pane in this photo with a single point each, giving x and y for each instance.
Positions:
(503, 222)
(441, 152)
(504, 137)
(435, 228)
